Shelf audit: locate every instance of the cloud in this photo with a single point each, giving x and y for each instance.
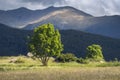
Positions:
(90, 6)
(14, 4)
(44, 2)
(94, 7)
(111, 7)
(7, 4)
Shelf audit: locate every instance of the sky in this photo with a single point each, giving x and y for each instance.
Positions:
(93, 7)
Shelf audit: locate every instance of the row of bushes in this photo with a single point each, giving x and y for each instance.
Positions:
(69, 57)
(94, 54)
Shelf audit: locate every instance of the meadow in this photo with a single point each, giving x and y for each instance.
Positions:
(31, 69)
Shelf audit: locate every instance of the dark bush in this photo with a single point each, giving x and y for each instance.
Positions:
(68, 57)
(83, 61)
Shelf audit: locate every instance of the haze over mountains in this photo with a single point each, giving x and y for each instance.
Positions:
(75, 27)
(63, 18)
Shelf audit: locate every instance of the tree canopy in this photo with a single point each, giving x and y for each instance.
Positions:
(45, 42)
(94, 52)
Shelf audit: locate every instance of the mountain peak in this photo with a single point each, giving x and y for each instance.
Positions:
(20, 9)
(63, 7)
(77, 11)
(72, 9)
(23, 8)
(51, 7)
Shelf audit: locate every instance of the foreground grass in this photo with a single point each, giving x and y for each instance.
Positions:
(68, 73)
(6, 65)
(32, 70)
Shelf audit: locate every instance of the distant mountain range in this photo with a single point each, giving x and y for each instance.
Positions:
(63, 18)
(14, 42)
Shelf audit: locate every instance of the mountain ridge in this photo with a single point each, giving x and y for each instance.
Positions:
(16, 15)
(64, 18)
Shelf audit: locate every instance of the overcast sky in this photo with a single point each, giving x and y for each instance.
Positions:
(93, 7)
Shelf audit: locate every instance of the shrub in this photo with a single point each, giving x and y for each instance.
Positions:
(94, 53)
(68, 57)
(83, 61)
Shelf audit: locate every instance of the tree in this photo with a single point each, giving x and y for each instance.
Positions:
(94, 52)
(45, 43)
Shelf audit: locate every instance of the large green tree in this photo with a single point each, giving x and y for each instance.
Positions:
(94, 52)
(45, 43)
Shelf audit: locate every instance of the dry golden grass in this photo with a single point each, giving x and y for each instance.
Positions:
(63, 73)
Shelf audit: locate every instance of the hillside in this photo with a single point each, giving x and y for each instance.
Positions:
(17, 18)
(13, 42)
(77, 41)
(106, 25)
(63, 18)
(22, 17)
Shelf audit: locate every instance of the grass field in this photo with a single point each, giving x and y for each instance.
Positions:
(68, 73)
(32, 70)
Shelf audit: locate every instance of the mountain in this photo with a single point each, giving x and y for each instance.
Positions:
(15, 17)
(106, 25)
(21, 17)
(14, 42)
(64, 18)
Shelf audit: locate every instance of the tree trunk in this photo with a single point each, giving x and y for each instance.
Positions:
(45, 62)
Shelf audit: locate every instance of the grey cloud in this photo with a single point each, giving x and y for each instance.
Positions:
(45, 2)
(111, 7)
(90, 6)
(94, 7)
(13, 4)
(6, 4)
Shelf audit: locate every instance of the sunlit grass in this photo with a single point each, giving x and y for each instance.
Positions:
(6, 64)
(64, 73)
(33, 70)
